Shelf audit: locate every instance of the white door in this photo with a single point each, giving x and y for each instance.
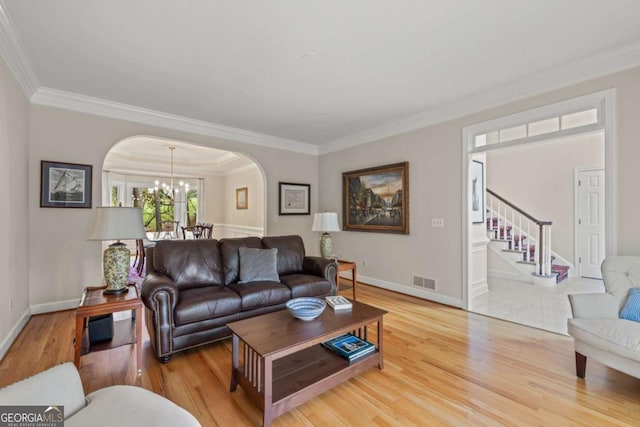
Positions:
(591, 222)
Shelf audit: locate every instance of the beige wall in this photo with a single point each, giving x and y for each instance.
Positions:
(14, 209)
(62, 261)
(253, 216)
(213, 211)
(539, 178)
(435, 156)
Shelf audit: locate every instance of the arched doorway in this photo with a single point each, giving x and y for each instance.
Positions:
(184, 184)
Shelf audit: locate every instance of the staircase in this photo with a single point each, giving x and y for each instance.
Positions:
(523, 241)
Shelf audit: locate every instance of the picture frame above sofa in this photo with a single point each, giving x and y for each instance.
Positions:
(294, 199)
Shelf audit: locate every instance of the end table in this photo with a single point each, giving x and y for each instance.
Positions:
(344, 265)
(94, 303)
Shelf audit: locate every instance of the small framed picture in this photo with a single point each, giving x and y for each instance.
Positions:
(65, 185)
(242, 198)
(477, 192)
(294, 199)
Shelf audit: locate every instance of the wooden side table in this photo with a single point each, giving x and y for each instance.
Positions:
(344, 265)
(94, 303)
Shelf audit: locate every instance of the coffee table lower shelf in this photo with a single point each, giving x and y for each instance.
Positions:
(300, 376)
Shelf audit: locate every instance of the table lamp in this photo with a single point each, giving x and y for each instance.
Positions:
(325, 222)
(117, 224)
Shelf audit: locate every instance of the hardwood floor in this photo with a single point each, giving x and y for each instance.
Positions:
(443, 366)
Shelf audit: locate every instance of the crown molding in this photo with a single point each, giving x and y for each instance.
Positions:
(604, 63)
(115, 110)
(13, 54)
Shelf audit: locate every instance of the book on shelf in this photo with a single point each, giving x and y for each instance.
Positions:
(349, 346)
(338, 302)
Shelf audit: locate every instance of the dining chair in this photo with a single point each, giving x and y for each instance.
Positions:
(199, 231)
(168, 228)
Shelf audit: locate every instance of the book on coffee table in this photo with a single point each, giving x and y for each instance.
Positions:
(338, 303)
(349, 346)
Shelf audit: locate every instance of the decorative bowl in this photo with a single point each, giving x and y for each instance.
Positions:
(306, 308)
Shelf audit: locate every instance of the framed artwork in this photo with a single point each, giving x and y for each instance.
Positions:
(477, 192)
(242, 198)
(294, 199)
(65, 185)
(376, 199)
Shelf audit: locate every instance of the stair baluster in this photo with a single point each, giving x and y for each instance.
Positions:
(541, 253)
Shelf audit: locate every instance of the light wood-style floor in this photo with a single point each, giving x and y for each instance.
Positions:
(443, 366)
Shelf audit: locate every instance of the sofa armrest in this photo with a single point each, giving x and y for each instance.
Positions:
(159, 290)
(595, 305)
(59, 385)
(323, 267)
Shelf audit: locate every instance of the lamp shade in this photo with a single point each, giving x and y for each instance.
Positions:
(325, 222)
(118, 224)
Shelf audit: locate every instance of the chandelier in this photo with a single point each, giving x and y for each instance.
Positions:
(175, 193)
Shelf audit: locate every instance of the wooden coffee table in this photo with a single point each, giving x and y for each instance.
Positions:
(284, 363)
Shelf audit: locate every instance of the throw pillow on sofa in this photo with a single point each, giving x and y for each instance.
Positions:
(631, 310)
(258, 265)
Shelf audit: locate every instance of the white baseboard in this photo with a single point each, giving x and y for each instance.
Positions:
(54, 306)
(14, 332)
(410, 290)
(478, 288)
(509, 276)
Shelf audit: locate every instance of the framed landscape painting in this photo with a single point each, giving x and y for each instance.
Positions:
(65, 185)
(376, 199)
(294, 199)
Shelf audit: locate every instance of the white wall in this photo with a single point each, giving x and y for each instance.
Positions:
(14, 209)
(539, 178)
(434, 154)
(62, 261)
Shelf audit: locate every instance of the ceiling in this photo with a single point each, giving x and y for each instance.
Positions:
(313, 72)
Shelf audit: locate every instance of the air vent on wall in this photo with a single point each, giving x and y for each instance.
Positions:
(423, 282)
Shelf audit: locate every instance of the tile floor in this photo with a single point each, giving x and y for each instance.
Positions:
(525, 303)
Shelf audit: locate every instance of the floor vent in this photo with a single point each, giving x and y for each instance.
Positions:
(423, 282)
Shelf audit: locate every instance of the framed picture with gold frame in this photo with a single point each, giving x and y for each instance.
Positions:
(376, 199)
(242, 198)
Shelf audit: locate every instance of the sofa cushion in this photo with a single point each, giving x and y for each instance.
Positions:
(230, 257)
(261, 294)
(205, 303)
(258, 264)
(290, 252)
(305, 285)
(631, 309)
(189, 263)
(618, 336)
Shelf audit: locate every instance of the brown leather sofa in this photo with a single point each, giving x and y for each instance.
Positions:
(192, 289)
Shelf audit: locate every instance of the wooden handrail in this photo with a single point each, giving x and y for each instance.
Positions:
(522, 212)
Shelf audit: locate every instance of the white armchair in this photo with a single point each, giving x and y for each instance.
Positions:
(118, 405)
(596, 326)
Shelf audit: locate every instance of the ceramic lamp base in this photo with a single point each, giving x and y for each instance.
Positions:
(116, 268)
(325, 245)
